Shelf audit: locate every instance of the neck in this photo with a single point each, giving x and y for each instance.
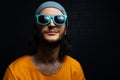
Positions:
(47, 54)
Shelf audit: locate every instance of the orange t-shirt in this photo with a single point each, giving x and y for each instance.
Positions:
(24, 69)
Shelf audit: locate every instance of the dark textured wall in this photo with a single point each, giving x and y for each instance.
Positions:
(90, 30)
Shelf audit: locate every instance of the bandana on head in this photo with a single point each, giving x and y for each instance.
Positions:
(50, 4)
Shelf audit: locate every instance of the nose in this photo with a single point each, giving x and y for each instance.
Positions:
(52, 23)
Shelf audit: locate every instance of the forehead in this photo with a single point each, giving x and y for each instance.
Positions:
(50, 11)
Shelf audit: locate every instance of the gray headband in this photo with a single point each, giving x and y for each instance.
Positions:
(50, 4)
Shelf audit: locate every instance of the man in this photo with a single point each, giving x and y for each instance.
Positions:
(49, 49)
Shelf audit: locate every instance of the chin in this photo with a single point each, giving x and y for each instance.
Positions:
(52, 40)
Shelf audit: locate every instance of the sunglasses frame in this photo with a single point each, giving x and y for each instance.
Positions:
(50, 17)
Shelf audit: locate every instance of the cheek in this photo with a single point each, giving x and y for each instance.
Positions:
(40, 29)
(62, 29)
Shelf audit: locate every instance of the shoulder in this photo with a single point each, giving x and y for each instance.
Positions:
(72, 62)
(75, 68)
(20, 62)
(18, 66)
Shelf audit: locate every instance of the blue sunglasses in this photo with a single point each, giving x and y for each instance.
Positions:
(44, 19)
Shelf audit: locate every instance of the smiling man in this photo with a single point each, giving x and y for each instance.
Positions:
(48, 59)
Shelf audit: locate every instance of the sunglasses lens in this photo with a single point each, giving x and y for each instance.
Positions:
(59, 19)
(43, 19)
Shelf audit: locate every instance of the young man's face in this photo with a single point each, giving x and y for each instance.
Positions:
(51, 32)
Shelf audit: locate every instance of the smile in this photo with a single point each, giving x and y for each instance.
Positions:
(52, 32)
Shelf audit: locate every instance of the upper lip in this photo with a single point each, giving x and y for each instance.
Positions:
(52, 31)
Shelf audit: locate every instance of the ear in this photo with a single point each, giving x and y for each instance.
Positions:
(65, 32)
(66, 28)
(35, 26)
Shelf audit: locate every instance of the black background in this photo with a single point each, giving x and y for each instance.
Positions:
(90, 30)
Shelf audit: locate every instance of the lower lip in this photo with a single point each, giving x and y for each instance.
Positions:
(51, 33)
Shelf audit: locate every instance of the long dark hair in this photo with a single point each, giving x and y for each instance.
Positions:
(65, 43)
